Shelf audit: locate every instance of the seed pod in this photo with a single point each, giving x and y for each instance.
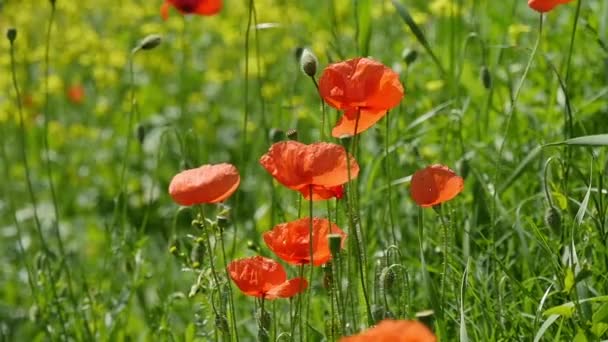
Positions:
(335, 243)
(11, 34)
(486, 77)
(409, 55)
(149, 42)
(276, 135)
(308, 63)
(553, 219)
(292, 134)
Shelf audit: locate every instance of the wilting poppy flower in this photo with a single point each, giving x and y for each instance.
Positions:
(360, 87)
(76, 93)
(545, 5)
(264, 278)
(291, 241)
(394, 331)
(320, 167)
(434, 185)
(206, 184)
(200, 7)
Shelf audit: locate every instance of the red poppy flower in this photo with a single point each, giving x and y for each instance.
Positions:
(360, 87)
(394, 331)
(543, 6)
(291, 241)
(200, 7)
(322, 166)
(264, 278)
(206, 184)
(76, 94)
(434, 185)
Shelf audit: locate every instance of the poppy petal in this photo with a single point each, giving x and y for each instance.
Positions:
(290, 241)
(164, 10)
(320, 193)
(299, 166)
(394, 331)
(288, 289)
(545, 5)
(206, 184)
(209, 7)
(434, 185)
(346, 126)
(257, 275)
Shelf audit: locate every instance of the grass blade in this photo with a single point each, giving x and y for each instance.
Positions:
(364, 22)
(586, 140)
(409, 21)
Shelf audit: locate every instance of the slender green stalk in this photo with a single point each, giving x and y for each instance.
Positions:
(387, 170)
(311, 250)
(30, 190)
(230, 298)
(49, 174)
(210, 252)
(323, 110)
(354, 224)
(446, 253)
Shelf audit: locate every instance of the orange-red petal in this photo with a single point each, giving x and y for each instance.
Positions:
(434, 185)
(298, 166)
(288, 289)
(347, 125)
(360, 83)
(209, 7)
(320, 192)
(290, 241)
(206, 184)
(256, 276)
(164, 10)
(545, 5)
(394, 331)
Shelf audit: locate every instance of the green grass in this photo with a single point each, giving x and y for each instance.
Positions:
(97, 250)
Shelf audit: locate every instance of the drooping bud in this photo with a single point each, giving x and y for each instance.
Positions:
(148, 43)
(276, 135)
(553, 219)
(292, 134)
(409, 55)
(486, 77)
(335, 243)
(308, 63)
(11, 34)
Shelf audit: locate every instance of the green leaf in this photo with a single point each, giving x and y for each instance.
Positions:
(523, 165)
(601, 314)
(580, 337)
(409, 21)
(364, 19)
(587, 140)
(599, 329)
(560, 200)
(544, 327)
(565, 310)
(568, 280)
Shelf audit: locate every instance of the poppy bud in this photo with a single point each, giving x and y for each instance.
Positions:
(252, 246)
(277, 135)
(292, 134)
(148, 43)
(223, 222)
(486, 77)
(11, 34)
(141, 133)
(308, 63)
(298, 52)
(221, 323)
(409, 55)
(427, 317)
(553, 219)
(335, 243)
(387, 278)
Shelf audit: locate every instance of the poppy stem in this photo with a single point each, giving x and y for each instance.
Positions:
(387, 167)
(323, 112)
(216, 279)
(311, 249)
(354, 225)
(446, 247)
(297, 313)
(230, 298)
(28, 179)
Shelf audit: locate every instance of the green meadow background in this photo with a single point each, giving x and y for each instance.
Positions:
(105, 254)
